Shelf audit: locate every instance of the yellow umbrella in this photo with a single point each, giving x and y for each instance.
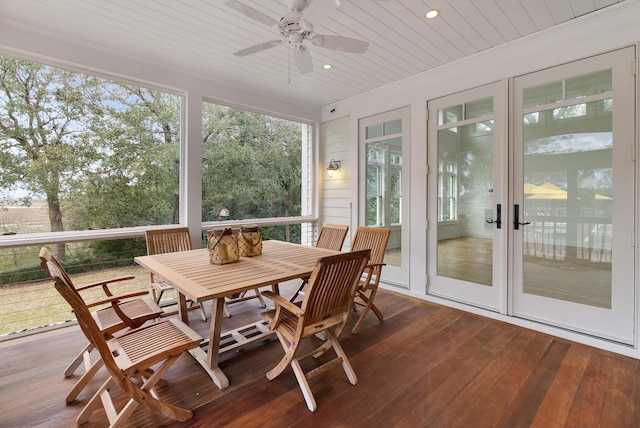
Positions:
(544, 191)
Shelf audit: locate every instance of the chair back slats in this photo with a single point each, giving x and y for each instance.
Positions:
(332, 236)
(373, 238)
(47, 258)
(168, 240)
(332, 286)
(88, 325)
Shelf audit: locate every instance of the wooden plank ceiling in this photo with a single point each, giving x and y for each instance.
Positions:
(200, 36)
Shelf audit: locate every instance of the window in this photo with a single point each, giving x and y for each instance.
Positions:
(447, 190)
(589, 86)
(252, 166)
(85, 152)
(384, 142)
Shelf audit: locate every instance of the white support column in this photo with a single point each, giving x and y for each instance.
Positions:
(191, 166)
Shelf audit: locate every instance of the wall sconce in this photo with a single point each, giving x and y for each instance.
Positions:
(334, 166)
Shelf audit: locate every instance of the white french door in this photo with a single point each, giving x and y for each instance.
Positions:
(467, 194)
(573, 187)
(384, 183)
(538, 223)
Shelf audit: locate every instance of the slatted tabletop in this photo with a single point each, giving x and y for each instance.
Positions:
(195, 277)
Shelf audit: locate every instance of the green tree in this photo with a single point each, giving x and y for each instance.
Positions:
(135, 181)
(43, 135)
(251, 165)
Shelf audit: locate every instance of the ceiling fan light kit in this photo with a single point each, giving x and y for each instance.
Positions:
(296, 27)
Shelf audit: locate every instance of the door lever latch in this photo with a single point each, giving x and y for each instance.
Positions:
(516, 218)
(498, 220)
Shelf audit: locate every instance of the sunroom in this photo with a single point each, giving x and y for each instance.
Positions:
(497, 142)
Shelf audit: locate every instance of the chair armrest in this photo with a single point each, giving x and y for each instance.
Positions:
(118, 298)
(373, 265)
(368, 273)
(281, 301)
(105, 282)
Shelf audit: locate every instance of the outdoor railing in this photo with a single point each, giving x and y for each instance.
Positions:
(28, 301)
(547, 237)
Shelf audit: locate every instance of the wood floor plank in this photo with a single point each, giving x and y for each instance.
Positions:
(589, 399)
(424, 365)
(554, 410)
(620, 407)
(504, 391)
(522, 410)
(448, 380)
(458, 412)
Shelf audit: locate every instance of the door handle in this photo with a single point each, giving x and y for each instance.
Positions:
(516, 218)
(498, 220)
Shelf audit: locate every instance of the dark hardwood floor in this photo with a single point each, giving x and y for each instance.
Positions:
(424, 365)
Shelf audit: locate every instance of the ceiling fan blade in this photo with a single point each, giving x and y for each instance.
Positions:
(317, 12)
(339, 43)
(303, 60)
(258, 48)
(251, 13)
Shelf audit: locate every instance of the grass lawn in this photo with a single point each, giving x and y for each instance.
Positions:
(38, 304)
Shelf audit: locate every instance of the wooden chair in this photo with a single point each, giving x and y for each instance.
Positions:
(129, 357)
(325, 308)
(160, 241)
(331, 237)
(127, 311)
(375, 239)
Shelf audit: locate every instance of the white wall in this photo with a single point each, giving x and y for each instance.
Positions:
(335, 195)
(608, 29)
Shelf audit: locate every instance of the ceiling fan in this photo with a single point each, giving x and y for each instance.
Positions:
(296, 27)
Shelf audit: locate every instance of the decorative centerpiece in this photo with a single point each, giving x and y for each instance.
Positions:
(250, 241)
(223, 246)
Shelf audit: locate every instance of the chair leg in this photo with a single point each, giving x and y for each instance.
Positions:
(168, 410)
(259, 296)
(95, 402)
(368, 305)
(144, 395)
(304, 385)
(297, 293)
(158, 297)
(345, 361)
(227, 313)
(71, 368)
(289, 352)
(83, 381)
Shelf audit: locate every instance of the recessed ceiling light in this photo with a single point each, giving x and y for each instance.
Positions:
(432, 13)
(327, 66)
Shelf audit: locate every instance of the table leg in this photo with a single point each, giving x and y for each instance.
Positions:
(210, 360)
(183, 312)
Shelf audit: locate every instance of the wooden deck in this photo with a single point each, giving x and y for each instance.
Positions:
(424, 365)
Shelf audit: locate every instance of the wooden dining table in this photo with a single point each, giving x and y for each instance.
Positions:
(195, 278)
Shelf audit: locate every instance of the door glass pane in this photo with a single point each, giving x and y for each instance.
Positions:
(384, 192)
(542, 94)
(568, 198)
(465, 202)
(374, 131)
(393, 127)
(479, 108)
(450, 115)
(589, 84)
